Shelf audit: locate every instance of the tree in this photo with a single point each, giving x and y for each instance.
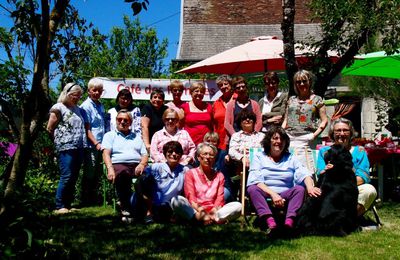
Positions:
(346, 26)
(34, 40)
(131, 51)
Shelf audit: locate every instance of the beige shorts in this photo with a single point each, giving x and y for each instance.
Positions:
(366, 195)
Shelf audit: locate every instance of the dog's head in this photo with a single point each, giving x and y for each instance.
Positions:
(339, 156)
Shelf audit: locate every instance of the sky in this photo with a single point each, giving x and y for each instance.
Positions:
(163, 15)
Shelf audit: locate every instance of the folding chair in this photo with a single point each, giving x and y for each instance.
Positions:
(106, 186)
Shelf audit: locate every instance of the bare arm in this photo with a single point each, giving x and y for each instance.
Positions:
(324, 121)
(109, 166)
(52, 123)
(145, 131)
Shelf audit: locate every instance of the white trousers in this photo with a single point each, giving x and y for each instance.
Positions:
(182, 208)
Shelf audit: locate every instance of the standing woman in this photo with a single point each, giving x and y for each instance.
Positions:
(241, 102)
(273, 104)
(124, 101)
(67, 127)
(198, 114)
(177, 88)
(224, 83)
(152, 116)
(305, 118)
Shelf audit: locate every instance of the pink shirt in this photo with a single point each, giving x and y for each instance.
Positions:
(208, 194)
(161, 137)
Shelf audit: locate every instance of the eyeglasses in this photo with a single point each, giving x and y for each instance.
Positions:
(241, 86)
(249, 120)
(170, 119)
(122, 120)
(304, 81)
(268, 83)
(211, 156)
(338, 131)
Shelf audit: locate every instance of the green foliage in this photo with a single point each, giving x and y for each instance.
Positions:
(128, 52)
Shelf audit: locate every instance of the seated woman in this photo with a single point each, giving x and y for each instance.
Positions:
(160, 183)
(277, 174)
(125, 157)
(171, 132)
(342, 132)
(204, 192)
(245, 139)
(221, 161)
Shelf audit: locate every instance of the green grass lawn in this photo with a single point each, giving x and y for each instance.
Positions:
(98, 233)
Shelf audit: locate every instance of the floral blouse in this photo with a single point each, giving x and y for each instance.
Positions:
(70, 131)
(303, 115)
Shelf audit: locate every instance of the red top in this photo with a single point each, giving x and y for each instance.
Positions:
(208, 194)
(197, 123)
(219, 111)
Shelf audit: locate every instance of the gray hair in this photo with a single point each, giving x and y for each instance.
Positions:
(125, 111)
(95, 83)
(205, 144)
(70, 88)
(221, 79)
(344, 121)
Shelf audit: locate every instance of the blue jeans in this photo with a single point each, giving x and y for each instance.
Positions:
(69, 162)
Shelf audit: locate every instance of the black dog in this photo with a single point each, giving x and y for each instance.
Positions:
(335, 211)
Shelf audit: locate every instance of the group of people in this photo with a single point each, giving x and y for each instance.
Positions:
(184, 154)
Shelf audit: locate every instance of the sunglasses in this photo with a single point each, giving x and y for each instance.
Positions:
(170, 119)
(122, 120)
(304, 81)
(177, 91)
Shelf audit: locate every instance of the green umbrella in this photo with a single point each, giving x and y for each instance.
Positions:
(375, 64)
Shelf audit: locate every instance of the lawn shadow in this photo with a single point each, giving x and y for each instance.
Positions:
(91, 236)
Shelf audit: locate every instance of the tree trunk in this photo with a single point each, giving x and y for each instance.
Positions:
(36, 105)
(287, 27)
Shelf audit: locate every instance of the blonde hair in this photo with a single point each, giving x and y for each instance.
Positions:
(69, 88)
(302, 74)
(212, 136)
(197, 85)
(176, 84)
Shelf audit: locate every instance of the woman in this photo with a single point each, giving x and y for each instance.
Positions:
(204, 192)
(198, 114)
(245, 139)
(273, 104)
(221, 165)
(124, 101)
(224, 83)
(125, 157)
(67, 127)
(176, 87)
(241, 102)
(342, 132)
(171, 132)
(152, 116)
(277, 174)
(305, 118)
(160, 183)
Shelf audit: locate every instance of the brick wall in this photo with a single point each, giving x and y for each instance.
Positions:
(240, 12)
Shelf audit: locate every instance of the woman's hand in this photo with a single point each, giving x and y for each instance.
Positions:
(111, 174)
(139, 169)
(314, 192)
(327, 167)
(277, 200)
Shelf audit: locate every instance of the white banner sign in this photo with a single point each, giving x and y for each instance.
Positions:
(141, 88)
